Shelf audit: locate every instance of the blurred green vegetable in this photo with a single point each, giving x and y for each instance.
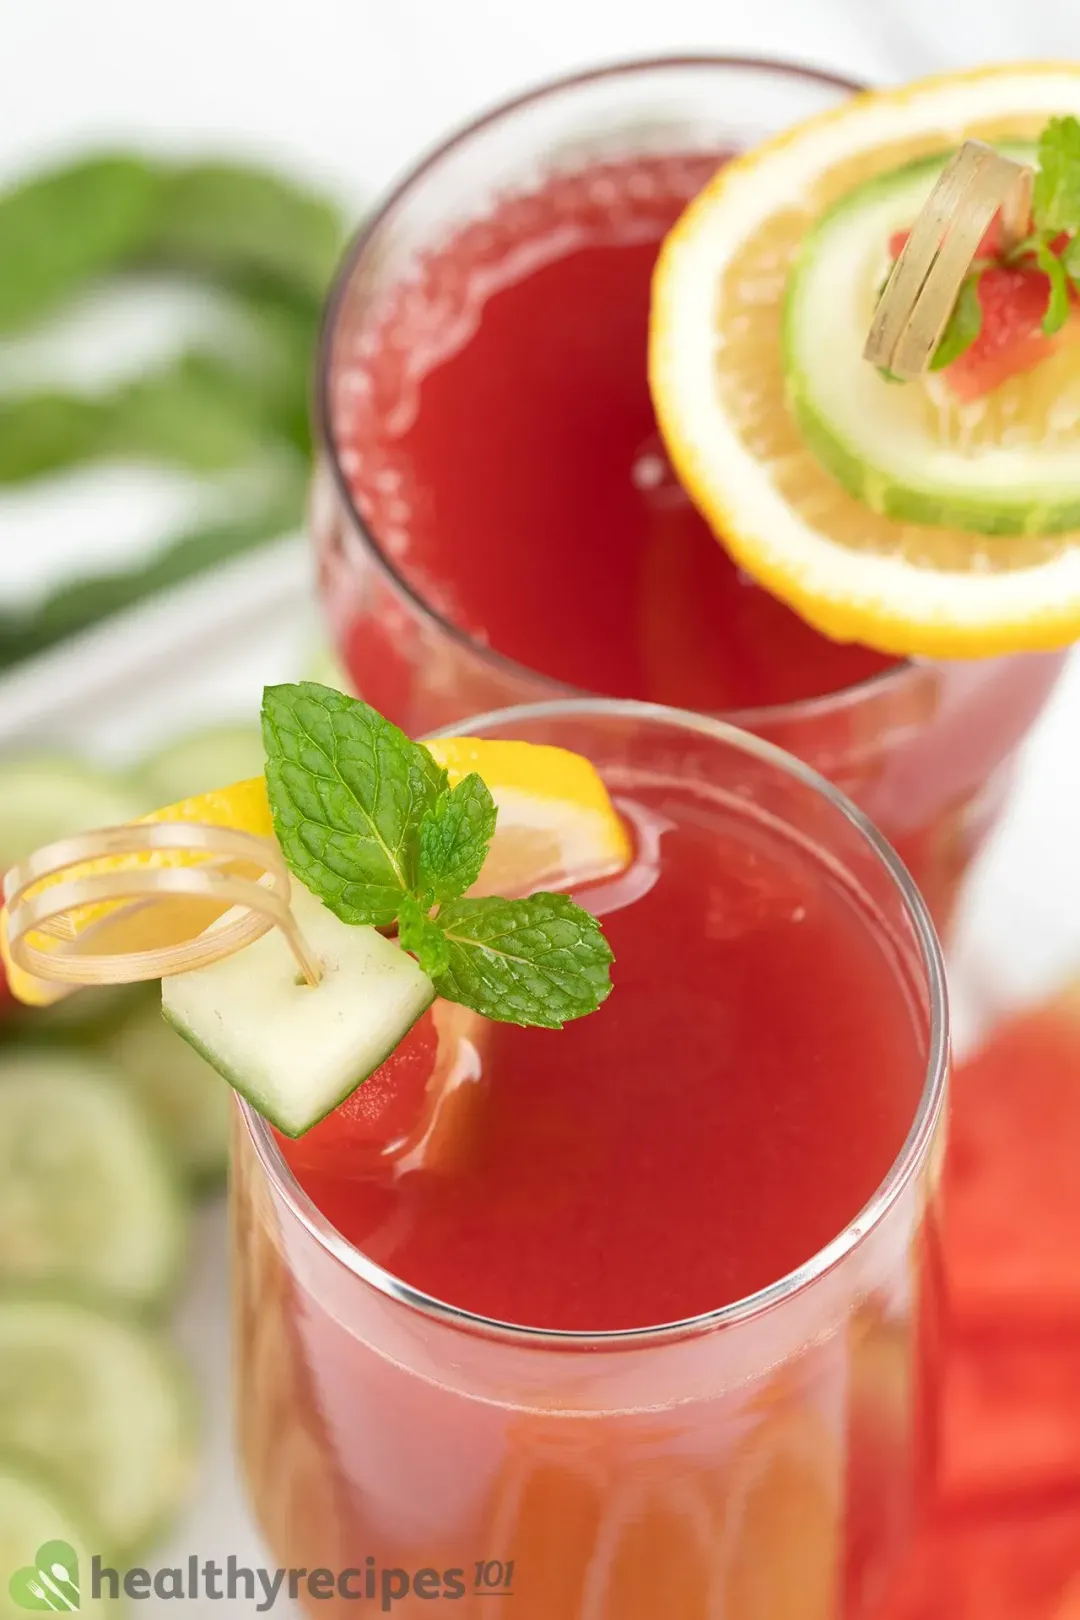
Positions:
(270, 246)
(197, 412)
(65, 228)
(82, 603)
(234, 222)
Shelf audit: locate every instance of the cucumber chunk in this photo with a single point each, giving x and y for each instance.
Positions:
(202, 761)
(87, 1199)
(292, 1050)
(39, 1532)
(185, 1098)
(885, 443)
(102, 1406)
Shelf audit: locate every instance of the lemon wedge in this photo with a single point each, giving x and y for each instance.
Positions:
(557, 827)
(119, 926)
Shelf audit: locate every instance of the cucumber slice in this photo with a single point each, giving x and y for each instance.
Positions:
(884, 442)
(202, 761)
(40, 1531)
(186, 1099)
(46, 796)
(295, 1051)
(79, 1015)
(104, 1407)
(87, 1199)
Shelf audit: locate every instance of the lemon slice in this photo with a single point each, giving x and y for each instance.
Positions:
(243, 806)
(758, 420)
(557, 826)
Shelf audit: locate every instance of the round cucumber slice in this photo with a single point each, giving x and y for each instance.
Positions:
(103, 1406)
(293, 1050)
(46, 1549)
(45, 797)
(87, 1199)
(202, 761)
(186, 1098)
(909, 452)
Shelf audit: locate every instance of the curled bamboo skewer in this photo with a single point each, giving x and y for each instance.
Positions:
(926, 279)
(38, 905)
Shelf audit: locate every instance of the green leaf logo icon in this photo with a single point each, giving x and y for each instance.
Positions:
(51, 1583)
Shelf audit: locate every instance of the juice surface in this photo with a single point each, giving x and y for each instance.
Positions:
(726, 1113)
(499, 438)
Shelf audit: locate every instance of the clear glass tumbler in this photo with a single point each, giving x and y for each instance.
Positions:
(925, 748)
(764, 1461)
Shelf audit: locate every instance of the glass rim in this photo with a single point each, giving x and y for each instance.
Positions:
(326, 441)
(904, 1167)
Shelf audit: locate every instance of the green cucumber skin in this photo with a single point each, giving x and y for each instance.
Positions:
(241, 1086)
(181, 1382)
(71, 1522)
(174, 1212)
(905, 504)
(873, 487)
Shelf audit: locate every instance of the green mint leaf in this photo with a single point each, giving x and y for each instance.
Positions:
(962, 328)
(1055, 202)
(540, 961)
(454, 838)
(422, 937)
(889, 376)
(1071, 260)
(1030, 244)
(347, 791)
(1057, 310)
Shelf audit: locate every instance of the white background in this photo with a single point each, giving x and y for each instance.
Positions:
(348, 92)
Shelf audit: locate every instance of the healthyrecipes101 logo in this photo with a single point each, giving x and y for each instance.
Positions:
(52, 1582)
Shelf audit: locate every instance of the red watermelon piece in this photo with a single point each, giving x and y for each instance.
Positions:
(1012, 1182)
(1016, 1564)
(1013, 299)
(380, 1112)
(1011, 1421)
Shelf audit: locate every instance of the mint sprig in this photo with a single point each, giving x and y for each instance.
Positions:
(537, 961)
(348, 792)
(1055, 201)
(962, 327)
(369, 823)
(455, 833)
(1055, 211)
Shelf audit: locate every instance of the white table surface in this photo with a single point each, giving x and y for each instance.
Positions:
(348, 91)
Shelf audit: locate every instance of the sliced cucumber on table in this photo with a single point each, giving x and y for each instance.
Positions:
(48, 796)
(296, 1051)
(186, 1099)
(101, 1406)
(44, 797)
(201, 761)
(87, 1197)
(46, 1546)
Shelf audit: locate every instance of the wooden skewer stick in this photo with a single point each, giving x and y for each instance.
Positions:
(51, 887)
(926, 279)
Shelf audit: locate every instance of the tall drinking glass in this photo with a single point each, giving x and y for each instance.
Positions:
(761, 1457)
(493, 514)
